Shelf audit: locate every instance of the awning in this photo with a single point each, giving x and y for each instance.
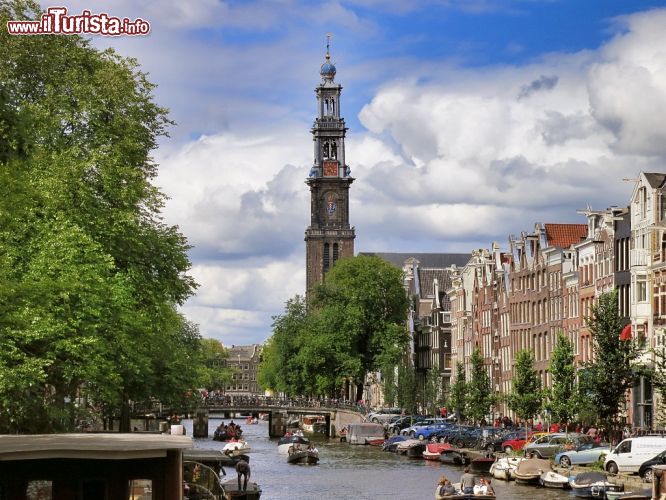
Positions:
(626, 333)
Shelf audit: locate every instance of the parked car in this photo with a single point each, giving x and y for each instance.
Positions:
(411, 431)
(645, 470)
(517, 443)
(630, 453)
(548, 446)
(428, 431)
(397, 424)
(500, 437)
(585, 454)
(383, 415)
(469, 438)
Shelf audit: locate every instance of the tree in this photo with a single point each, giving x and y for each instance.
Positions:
(658, 378)
(432, 391)
(563, 401)
(459, 395)
(91, 277)
(364, 299)
(215, 374)
(612, 369)
(407, 388)
(388, 385)
(479, 392)
(526, 397)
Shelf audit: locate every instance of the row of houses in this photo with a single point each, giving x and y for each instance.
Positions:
(544, 282)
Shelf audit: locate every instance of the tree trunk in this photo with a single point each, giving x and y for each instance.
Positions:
(124, 425)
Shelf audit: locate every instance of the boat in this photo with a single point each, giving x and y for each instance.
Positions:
(529, 471)
(482, 464)
(286, 441)
(433, 450)
(308, 457)
(93, 465)
(236, 448)
(411, 447)
(362, 433)
(231, 491)
(251, 420)
(468, 496)
(504, 466)
(391, 444)
(645, 494)
(213, 458)
(227, 432)
(551, 479)
(452, 456)
(314, 423)
(592, 485)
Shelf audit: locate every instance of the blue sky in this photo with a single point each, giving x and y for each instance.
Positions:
(469, 121)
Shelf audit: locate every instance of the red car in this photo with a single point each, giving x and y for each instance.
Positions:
(517, 443)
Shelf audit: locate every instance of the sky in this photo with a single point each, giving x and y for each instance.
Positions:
(469, 121)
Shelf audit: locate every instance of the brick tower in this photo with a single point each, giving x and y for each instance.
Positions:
(329, 236)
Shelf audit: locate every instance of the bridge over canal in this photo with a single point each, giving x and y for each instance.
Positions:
(338, 414)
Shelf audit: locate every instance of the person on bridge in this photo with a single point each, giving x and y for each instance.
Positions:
(243, 469)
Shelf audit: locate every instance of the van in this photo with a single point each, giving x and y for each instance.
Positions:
(632, 452)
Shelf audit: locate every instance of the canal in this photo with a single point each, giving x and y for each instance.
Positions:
(351, 472)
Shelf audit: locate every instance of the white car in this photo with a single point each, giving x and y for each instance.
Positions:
(383, 415)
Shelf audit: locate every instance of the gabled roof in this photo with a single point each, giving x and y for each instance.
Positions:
(565, 235)
(431, 260)
(427, 278)
(655, 180)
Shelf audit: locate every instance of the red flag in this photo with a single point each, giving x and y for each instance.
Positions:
(626, 333)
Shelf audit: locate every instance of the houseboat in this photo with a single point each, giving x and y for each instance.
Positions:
(92, 466)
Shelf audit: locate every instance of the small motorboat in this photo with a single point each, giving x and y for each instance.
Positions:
(411, 447)
(593, 485)
(645, 494)
(482, 464)
(433, 450)
(285, 442)
(236, 448)
(469, 496)
(551, 479)
(504, 466)
(231, 490)
(392, 443)
(307, 457)
(529, 471)
(451, 456)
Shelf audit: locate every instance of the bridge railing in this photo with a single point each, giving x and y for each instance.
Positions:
(225, 401)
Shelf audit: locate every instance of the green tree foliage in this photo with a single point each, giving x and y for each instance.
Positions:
(459, 396)
(526, 397)
(562, 398)
(355, 325)
(432, 391)
(407, 388)
(215, 374)
(480, 397)
(389, 385)
(658, 378)
(612, 369)
(90, 276)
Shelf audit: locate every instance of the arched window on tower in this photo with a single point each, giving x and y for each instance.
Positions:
(332, 107)
(335, 253)
(327, 261)
(334, 150)
(326, 150)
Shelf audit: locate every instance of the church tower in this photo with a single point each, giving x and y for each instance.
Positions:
(329, 236)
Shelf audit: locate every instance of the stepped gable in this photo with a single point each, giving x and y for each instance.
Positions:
(565, 235)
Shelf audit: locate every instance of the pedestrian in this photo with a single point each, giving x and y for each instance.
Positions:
(467, 481)
(243, 469)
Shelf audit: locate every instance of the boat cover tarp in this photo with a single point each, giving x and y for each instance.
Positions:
(586, 478)
(293, 440)
(395, 439)
(533, 467)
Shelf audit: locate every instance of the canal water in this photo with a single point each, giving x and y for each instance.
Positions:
(352, 472)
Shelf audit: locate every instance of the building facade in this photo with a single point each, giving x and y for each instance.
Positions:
(244, 361)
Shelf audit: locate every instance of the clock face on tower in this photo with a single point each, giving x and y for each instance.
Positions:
(330, 168)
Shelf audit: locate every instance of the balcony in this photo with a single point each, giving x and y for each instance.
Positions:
(639, 257)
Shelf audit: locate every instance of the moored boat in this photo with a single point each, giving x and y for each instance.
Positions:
(433, 450)
(551, 479)
(231, 491)
(529, 471)
(314, 423)
(363, 433)
(645, 494)
(411, 447)
(593, 485)
(482, 464)
(451, 456)
(504, 466)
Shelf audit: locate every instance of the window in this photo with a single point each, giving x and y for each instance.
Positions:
(641, 290)
(140, 489)
(326, 257)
